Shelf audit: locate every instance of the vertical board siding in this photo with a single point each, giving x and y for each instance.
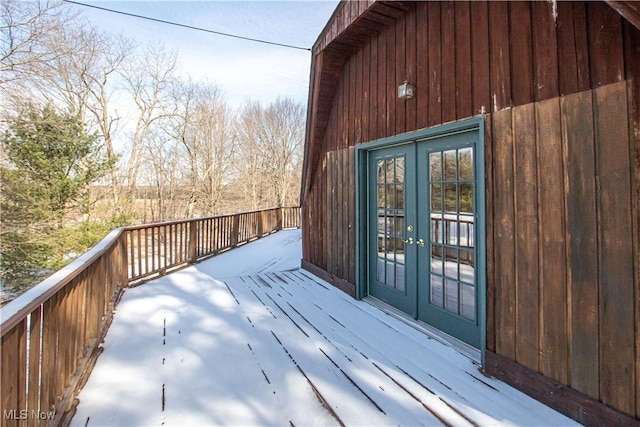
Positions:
(615, 255)
(526, 235)
(582, 241)
(503, 222)
(521, 47)
(545, 51)
(551, 226)
(341, 231)
(575, 283)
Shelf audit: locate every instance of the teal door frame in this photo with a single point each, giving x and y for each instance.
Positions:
(362, 178)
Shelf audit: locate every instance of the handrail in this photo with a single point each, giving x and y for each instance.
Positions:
(51, 334)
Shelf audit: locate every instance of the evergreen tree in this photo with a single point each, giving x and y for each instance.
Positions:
(49, 163)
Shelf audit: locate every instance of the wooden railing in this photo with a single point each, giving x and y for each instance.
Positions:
(51, 335)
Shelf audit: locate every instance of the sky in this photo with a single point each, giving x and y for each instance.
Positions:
(242, 69)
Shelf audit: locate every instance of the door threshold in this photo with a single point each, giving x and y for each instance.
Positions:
(461, 347)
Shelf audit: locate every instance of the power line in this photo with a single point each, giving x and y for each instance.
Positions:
(162, 21)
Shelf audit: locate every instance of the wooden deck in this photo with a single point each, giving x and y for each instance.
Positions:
(247, 338)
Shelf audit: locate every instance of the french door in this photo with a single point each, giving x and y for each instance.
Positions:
(422, 234)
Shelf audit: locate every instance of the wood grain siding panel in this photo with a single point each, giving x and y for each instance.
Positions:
(580, 32)
(390, 84)
(381, 85)
(582, 242)
(448, 77)
(463, 86)
(499, 57)
(373, 89)
(553, 275)
(366, 91)
(358, 95)
(605, 44)
(400, 105)
(504, 234)
(521, 48)
(545, 51)
(422, 66)
(526, 236)
(615, 255)
(567, 59)
(410, 67)
(435, 64)
(632, 62)
(340, 234)
(480, 72)
(490, 228)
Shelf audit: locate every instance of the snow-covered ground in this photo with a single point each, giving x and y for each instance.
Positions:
(247, 338)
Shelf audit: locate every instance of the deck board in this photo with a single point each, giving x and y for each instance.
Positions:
(247, 338)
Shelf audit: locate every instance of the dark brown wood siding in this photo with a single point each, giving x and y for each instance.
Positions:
(564, 242)
(562, 170)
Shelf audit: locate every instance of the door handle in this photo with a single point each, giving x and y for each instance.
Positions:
(420, 243)
(409, 241)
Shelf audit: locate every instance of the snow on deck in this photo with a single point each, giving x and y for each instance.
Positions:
(247, 338)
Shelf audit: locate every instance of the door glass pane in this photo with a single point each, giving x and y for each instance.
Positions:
(437, 228)
(466, 197)
(390, 171)
(400, 282)
(437, 291)
(380, 196)
(435, 166)
(399, 192)
(391, 274)
(450, 198)
(467, 272)
(399, 169)
(451, 295)
(436, 197)
(381, 244)
(380, 169)
(389, 224)
(465, 163)
(451, 263)
(468, 303)
(466, 227)
(380, 277)
(450, 165)
(399, 225)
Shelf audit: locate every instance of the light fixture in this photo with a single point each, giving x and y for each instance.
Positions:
(406, 90)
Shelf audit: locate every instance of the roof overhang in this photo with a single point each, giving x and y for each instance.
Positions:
(352, 24)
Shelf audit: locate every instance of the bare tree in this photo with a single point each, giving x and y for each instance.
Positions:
(149, 79)
(166, 177)
(250, 160)
(83, 80)
(271, 140)
(205, 128)
(25, 29)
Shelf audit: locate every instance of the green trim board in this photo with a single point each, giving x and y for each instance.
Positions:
(420, 143)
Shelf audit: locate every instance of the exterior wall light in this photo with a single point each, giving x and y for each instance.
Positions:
(406, 90)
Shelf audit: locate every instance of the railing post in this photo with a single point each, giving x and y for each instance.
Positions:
(235, 229)
(260, 223)
(280, 218)
(193, 240)
(124, 260)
